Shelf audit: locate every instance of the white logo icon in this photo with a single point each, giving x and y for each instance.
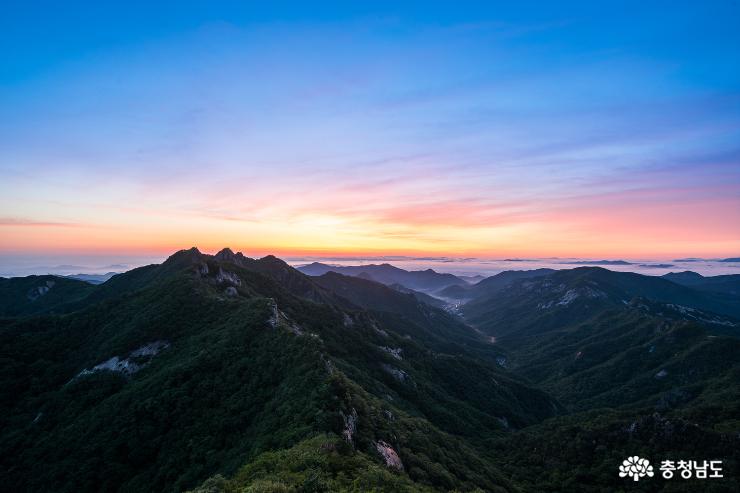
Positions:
(636, 468)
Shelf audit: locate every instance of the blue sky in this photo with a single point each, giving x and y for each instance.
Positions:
(550, 128)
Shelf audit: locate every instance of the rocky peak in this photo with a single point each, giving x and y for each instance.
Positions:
(225, 254)
(272, 260)
(190, 256)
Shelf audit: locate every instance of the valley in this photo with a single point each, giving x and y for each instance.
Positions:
(226, 373)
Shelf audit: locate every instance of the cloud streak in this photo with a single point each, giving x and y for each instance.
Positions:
(21, 222)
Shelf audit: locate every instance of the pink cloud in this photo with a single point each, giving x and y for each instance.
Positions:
(15, 221)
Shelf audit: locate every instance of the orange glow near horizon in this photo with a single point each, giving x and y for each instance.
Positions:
(371, 138)
(610, 228)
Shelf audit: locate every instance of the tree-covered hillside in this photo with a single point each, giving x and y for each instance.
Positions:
(169, 374)
(225, 373)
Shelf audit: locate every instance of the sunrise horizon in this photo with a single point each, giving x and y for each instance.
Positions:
(298, 252)
(487, 131)
(388, 247)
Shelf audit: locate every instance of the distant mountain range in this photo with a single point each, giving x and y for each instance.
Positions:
(93, 278)
(695, 259)
(598, 262)
(490, 285)
(422, 280)
(223, 373)
(728, 284)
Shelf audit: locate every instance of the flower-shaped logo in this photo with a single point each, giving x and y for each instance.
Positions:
(636, 468)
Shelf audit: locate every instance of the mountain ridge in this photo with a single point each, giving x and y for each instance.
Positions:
(226, 373)
(424, 280)
(163, 338)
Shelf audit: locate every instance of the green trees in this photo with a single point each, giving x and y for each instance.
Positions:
(264, 369)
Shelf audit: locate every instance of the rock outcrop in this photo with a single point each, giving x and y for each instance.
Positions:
(228, 277)
(396, 373)
(350, 425)
(39, 291)
(394, 352)
(390, 456)
(135, 361)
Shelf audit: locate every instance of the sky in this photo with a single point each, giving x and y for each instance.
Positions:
(487, 129)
